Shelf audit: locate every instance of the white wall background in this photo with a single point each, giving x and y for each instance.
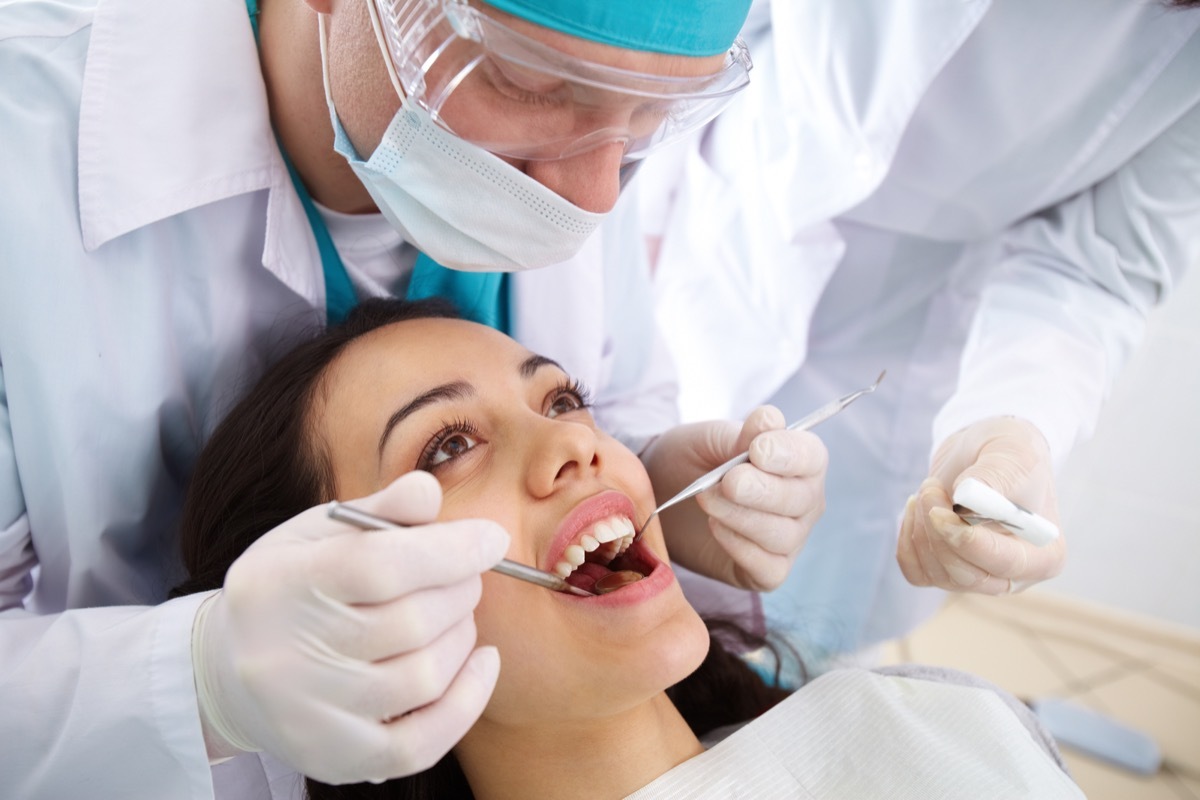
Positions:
(1130, 497)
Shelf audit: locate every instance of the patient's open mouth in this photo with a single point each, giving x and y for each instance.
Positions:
(603, 558)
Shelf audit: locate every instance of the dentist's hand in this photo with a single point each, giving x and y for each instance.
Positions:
(936, 548)
(748, 529)
(350, 654)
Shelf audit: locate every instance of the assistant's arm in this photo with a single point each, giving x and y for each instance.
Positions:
(1057, 320)
(1068, 302)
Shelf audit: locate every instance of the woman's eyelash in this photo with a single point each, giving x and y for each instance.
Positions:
(458, 427)
(572, 386)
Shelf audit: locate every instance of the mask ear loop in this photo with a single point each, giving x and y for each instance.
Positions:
(323, 36)
(381, 40)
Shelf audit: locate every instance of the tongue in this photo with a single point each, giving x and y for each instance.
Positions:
(586, 574)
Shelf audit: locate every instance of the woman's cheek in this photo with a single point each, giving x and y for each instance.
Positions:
(488, 619)
(633, 474)
(499, 622)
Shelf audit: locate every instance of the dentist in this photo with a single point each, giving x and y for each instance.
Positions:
(193, 186)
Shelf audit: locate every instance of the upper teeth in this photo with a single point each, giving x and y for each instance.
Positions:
(608, 538)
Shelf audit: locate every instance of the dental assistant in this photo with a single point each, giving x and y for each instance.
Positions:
(192, 186)
(984, 198)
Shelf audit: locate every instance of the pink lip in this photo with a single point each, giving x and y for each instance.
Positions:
(588, 513)
(583, 516)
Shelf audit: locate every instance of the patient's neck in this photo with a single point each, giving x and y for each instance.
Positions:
(607, 757)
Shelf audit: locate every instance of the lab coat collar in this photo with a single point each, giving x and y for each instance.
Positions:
(173, 115)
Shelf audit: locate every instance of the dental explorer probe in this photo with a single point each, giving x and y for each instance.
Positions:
(713, 477)
(369, 522)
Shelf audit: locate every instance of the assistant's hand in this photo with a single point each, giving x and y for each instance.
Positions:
(936, 548)
(350, 654)
(748, 529)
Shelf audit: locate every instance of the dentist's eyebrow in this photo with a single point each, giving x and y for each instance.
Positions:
(531, 365)
(438, 394)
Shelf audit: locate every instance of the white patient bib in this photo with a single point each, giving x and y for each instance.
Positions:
(859, 734)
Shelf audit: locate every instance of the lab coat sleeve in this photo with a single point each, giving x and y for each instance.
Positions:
(17, 558)
(97, 702)
(1067, 302)
(640, 396)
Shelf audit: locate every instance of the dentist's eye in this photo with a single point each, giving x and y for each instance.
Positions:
(529, 87)
(451, 442)
(566, 397)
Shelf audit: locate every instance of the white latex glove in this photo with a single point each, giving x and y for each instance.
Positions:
(936, 548)
(350, 654)
(748, 529)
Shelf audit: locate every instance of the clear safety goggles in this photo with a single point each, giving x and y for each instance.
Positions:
(517, 97)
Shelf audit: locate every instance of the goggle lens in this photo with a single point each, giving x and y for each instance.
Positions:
(520, 98)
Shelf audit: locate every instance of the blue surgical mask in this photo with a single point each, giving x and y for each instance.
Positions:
(459, 204)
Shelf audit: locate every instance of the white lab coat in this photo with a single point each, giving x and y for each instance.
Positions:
(153, 258)
(915, 185)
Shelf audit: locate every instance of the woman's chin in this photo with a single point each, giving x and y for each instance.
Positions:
(603, 680)
(676, 650)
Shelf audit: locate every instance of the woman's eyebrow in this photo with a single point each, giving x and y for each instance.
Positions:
(531, 365)
(456, 390)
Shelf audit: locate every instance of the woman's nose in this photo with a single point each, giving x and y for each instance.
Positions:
(561, 452)
(590, 180)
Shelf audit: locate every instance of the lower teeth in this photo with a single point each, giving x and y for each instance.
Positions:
(615, 580)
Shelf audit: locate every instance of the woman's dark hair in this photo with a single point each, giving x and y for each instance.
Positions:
(264, 465)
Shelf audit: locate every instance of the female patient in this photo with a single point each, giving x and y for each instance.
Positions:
(605, 696)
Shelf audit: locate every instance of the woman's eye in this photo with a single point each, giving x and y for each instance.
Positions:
(569, 395)
(565, 403)
(448, 448)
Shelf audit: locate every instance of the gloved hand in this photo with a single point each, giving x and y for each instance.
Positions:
(350, 654)
(936, 548)
(748, 529)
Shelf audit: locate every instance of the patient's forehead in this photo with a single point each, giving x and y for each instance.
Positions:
(434, 341)
(418, 354)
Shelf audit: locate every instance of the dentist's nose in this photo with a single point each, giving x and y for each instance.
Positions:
(590, 180)
(563, 451)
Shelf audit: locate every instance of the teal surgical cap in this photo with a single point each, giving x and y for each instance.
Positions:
(674, 27)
